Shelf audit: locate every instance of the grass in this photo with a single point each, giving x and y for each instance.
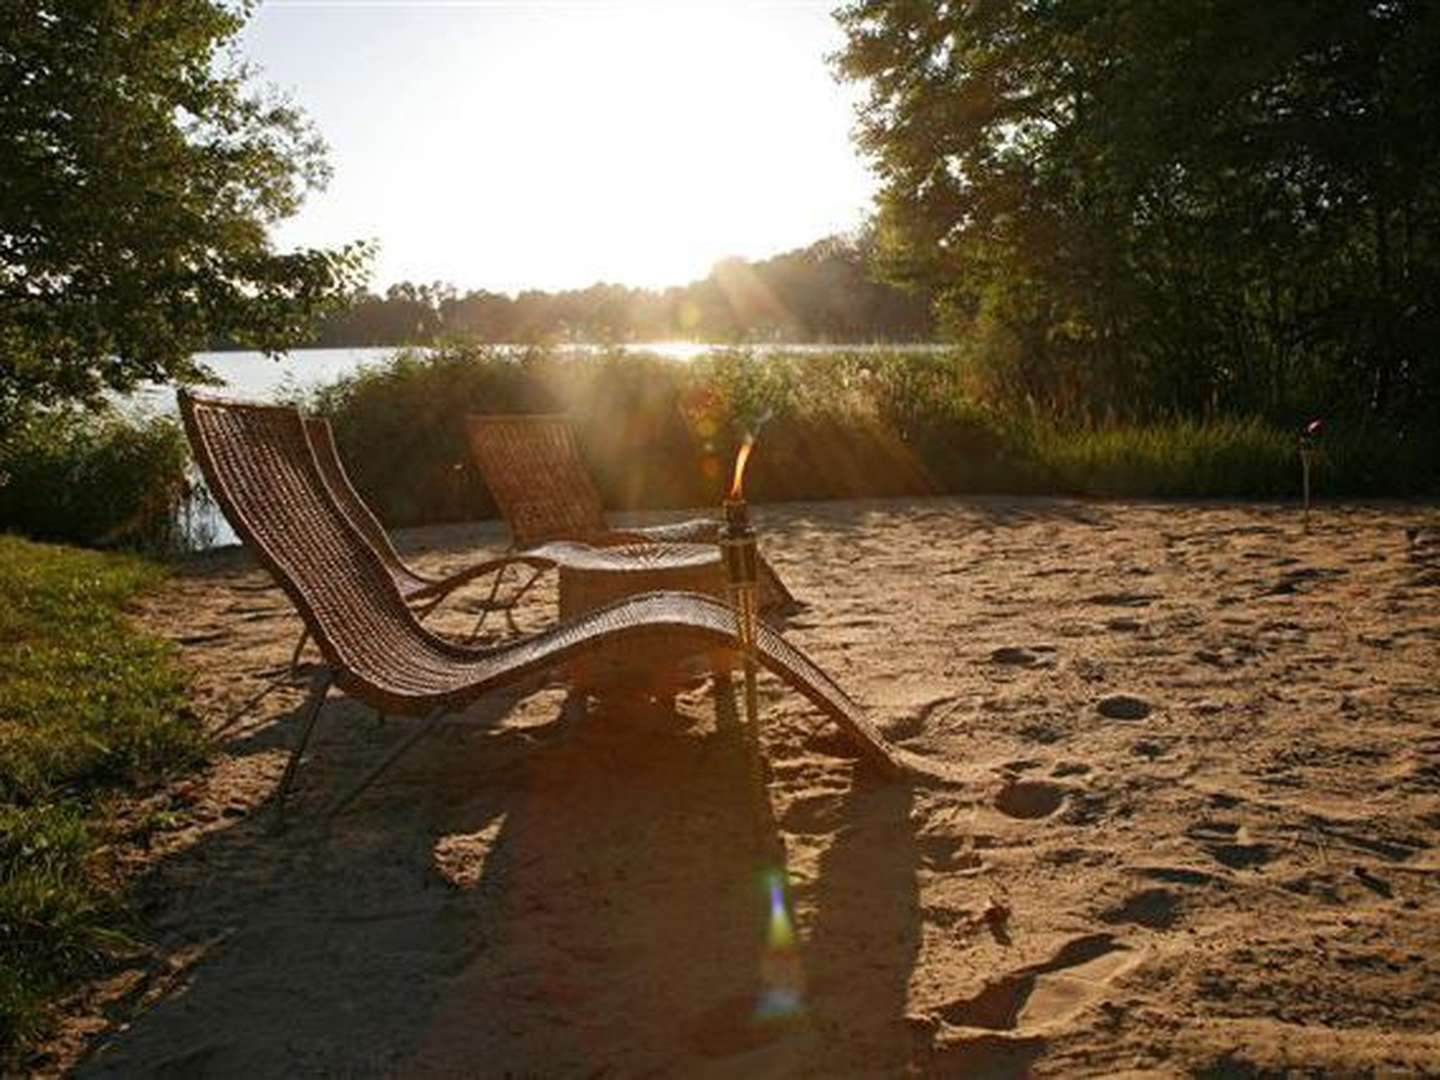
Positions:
(90, 710)
(1229, 458)
(1182, 458)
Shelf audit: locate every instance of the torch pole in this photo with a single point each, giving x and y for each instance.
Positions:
(742, 565)
(1305, 481)
(1306, 447)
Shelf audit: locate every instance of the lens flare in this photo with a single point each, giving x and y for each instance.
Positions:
(781, 981)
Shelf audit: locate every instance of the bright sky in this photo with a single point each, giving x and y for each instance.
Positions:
(506, 144)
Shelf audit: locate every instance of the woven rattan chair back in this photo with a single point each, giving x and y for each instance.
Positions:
(327, 456)
(258, 462)
(536, 476)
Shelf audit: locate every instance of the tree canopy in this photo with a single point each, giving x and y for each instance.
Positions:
(141, 171)
(1146, 206)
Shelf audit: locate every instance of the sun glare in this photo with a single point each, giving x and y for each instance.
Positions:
(560, 145)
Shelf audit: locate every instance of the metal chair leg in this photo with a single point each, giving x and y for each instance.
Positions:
(489, 602)
(515, 600)
(286, 676)
(234, 717)
(390, 759)
(299, 648)
(319, 689)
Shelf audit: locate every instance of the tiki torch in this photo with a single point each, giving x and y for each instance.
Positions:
(742, 573)
(1308, 438)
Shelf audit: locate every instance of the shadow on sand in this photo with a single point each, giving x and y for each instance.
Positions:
(573, 897)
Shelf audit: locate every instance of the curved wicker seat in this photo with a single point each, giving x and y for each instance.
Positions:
(534, 471)
(422, 592)
(263, 472)
(413, 586)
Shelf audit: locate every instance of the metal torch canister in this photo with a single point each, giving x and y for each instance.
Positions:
(1308, 438)
(742, 575)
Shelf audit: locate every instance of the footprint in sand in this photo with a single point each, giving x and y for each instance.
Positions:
(1020, 656)
(1124, 707)
(1045, 995)
(1230, 845)
(1030, 799)
(1122, 599)
(948, 853)
(1156, 909)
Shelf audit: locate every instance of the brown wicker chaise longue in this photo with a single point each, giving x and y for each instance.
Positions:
(262, 470)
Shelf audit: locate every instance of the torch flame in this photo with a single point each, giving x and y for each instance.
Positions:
(737, 486)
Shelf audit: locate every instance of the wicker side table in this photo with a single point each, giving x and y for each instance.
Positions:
(652, 665)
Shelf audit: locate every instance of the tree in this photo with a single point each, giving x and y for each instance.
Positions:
(141, 171)
(1148, 206)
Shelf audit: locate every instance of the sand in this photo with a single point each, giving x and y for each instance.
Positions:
(1199, 834)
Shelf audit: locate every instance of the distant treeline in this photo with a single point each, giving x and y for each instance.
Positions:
(821, 293)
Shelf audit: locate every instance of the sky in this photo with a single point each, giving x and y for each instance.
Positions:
(551, 144)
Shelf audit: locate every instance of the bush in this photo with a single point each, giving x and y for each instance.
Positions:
(96, 479)
(660, 433)
(657, 432)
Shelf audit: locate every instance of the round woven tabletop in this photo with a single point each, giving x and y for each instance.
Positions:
(640, 558)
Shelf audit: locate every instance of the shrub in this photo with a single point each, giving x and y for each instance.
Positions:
(658, 433)
(97, 479)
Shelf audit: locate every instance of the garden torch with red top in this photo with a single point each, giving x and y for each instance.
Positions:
(1308, 440)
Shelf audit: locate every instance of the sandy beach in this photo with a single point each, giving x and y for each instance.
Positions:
(1197, 835)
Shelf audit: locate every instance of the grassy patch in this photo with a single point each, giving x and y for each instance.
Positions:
(1224, 458)
(89, 709)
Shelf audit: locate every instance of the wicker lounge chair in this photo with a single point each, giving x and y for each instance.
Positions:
(263, 473)
(423, 593)
(534, 471)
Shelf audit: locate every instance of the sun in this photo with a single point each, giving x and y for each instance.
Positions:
(563, 144)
